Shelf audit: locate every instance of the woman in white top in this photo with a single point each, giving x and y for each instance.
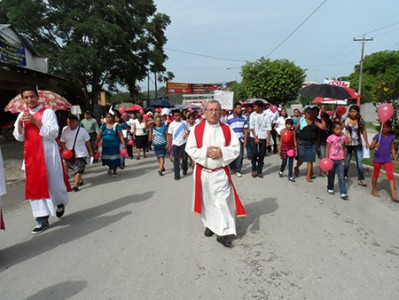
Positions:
(140, 135)
(280, 122)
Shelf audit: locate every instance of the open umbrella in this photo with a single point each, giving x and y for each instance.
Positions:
(133, 107)
(321, 100)
(161, 103)
(49, 100)
(328, 91)
(247, 102)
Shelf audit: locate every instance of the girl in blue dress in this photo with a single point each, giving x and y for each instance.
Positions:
(111, 135)
(159, 140)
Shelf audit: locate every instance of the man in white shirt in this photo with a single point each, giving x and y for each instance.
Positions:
(178, 132)
(77, 139)
(260, 127)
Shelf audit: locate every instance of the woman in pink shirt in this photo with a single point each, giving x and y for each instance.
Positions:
(336, 151)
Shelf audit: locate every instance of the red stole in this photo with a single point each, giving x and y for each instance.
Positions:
(199, 134)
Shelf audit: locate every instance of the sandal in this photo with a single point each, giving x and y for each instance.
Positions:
(396, 200)
(309, 179)
(362, 183)
(160, 173)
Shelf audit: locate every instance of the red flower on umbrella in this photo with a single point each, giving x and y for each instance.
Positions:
(49, 100)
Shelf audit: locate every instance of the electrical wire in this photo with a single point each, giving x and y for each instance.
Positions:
(299, 26)
(204, 55)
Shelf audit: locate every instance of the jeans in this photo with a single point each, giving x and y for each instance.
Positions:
(358, 151)
(180, 151)
(258, 154)
(290, 166)
(339, 168)
(249, 150)
(237, 164)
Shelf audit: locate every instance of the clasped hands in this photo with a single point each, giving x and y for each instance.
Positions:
(214, 152)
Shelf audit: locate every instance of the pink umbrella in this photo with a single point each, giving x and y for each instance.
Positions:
(49, 100)
(130, 108)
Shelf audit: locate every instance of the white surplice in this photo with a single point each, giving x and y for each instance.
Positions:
(57, 188)
(218, 206)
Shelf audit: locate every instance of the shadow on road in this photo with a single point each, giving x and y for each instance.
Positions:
(254, 212)
(80, 223)
(60, 291)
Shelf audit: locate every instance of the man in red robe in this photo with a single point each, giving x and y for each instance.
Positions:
(46, 189)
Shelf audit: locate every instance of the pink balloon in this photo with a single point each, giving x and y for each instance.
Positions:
(145, 117)
(326, 164)
(385, 112)
(123, 152)
(130, 142)
(291, 153)
(66, 154)
(273, 108)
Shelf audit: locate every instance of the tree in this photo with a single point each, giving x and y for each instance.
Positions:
(96, 44)
(275, 80)
(376, 67)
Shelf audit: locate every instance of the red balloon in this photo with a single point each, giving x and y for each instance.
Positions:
(326, 164)
(66, 154)
(341, 110)
(130, 142)
(291, 153)
(385, 112)
(123, 152)
(286, 136)
(96, 154)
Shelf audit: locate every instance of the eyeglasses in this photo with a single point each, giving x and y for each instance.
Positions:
(213, 110)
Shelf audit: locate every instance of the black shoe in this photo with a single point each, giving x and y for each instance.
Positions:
(185, 172)
(177, 177)
(260, 175)
(60, 210)
(40, 227)
(208, 232)
(75, 189)
(224, 241)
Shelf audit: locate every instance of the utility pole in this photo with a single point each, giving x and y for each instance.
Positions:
(359, 89)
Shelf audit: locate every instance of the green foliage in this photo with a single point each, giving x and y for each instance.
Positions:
(96, 44)
(274, 80)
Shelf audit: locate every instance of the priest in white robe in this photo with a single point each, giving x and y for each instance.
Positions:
(213, 146)
(46, 188)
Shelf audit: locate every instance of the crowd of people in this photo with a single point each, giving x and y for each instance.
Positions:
(213, 143)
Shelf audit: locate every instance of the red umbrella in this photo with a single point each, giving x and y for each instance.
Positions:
(49, 100)
(247, 102)
(130, 108)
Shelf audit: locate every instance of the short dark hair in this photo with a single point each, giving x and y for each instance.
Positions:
(28, 88)
(176, 111)
(335, 124)
(258, 103)
(289, 122)
(73, 117)
(237, 104)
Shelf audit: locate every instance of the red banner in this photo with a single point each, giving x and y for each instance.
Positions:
(195, 88)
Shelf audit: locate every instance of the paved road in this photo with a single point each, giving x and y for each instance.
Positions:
(134, 237)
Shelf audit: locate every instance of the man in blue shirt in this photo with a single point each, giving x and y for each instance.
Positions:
(239, 124)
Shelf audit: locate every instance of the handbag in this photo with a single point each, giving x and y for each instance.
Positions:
(74, 142)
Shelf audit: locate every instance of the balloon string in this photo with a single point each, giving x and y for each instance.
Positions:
(379, 138)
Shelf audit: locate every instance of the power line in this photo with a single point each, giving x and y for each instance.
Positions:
(386, 26)
(204, 55)
(299, 26)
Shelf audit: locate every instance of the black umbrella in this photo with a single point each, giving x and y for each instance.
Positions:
(161, 103)
(326, 91)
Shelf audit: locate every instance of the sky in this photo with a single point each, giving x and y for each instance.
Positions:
(226, 34)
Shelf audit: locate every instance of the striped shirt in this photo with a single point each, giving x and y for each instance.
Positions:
(238, 124)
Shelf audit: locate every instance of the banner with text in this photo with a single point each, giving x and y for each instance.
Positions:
(195, 88)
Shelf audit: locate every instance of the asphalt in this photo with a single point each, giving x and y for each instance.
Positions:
(135, 237)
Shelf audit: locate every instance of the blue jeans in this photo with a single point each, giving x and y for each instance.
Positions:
(258, 154)
(180, 151)
(339, 168)
(290, 165)
(358, 151)
(237, 164)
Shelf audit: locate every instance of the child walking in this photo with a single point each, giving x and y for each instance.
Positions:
(384, 149)
(336, 151)
(288, 145)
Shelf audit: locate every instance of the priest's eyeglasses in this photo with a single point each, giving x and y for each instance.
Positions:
(213, 110)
